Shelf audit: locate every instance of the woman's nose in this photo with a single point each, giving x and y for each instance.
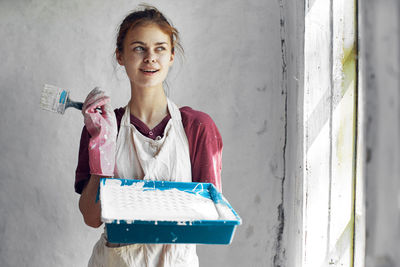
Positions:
(150, 57)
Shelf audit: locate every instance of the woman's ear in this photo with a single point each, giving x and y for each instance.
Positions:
(119, 57)
(171, 59)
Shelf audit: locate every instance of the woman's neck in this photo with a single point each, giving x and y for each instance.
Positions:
(149, 105)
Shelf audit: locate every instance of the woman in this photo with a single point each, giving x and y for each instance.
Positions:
(150, 138)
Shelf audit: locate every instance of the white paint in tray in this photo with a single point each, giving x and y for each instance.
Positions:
(133, 202)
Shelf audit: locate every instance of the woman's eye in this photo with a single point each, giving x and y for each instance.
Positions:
(160, 48)
(138, 49)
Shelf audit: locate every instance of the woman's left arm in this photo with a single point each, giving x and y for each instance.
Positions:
(205, 145)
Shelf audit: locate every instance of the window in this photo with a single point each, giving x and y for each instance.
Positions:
(330, 133)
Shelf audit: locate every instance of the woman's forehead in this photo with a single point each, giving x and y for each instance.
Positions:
(147, 34)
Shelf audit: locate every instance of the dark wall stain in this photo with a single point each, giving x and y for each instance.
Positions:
(278, 258)
(249, 231)
(369, 154)
(384, 261)
(262, 89)
(263, 128)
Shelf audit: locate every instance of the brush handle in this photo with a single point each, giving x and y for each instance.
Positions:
(73, 104)
(77, 105)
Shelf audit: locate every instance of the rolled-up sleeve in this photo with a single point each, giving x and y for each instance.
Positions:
(205, 147)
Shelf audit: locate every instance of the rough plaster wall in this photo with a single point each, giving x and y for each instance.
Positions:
(294, 19)
(381, 59)
(292, 44)
(234, 70)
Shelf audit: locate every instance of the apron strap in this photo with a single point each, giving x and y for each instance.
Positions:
(174, 111)
(126, 118)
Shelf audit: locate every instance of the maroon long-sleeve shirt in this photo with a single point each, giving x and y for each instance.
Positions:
(205, 146)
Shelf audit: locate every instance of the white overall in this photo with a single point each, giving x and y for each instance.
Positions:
(139, 157)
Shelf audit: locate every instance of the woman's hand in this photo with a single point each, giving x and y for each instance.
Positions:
(101, 124)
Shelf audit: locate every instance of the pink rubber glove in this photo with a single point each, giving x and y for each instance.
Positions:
(102, 127)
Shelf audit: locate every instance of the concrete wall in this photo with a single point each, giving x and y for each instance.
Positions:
(380, 56)
(241, 62)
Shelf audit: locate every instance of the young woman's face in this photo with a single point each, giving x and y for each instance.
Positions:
(146, 56)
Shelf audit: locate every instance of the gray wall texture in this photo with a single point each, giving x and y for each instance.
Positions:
(380, 53)
(236, 68)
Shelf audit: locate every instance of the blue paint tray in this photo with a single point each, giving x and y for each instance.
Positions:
(127, 223)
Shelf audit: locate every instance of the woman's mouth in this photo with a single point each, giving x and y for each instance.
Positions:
(149, 71)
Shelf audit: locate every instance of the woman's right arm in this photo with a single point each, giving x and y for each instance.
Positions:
(89, 207)
(101, 126)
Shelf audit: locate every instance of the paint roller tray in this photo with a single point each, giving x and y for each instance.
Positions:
(144, 211)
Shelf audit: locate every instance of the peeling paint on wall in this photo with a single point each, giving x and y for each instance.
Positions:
(279, 257)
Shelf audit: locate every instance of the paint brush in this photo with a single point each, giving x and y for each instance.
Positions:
(57, 100)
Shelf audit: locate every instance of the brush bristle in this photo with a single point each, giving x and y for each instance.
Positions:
(53, 98)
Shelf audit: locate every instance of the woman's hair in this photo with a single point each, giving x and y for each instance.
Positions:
(144, 16)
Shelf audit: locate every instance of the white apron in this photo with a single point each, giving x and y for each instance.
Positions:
(139, 157)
